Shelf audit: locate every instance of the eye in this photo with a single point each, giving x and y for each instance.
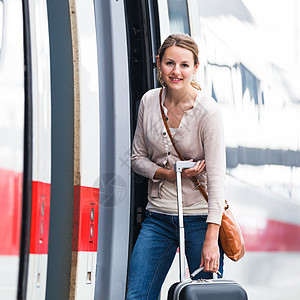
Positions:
(169, 63)
(185, 65)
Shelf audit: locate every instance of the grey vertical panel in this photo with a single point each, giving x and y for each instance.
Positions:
(61, 209)
(27, 171)
(115, 146)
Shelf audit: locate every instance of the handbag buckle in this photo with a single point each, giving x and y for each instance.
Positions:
(197, 183)
(226, 205)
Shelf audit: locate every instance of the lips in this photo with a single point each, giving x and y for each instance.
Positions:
(174, 79)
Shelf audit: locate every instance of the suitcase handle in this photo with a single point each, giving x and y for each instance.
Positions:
(201, 269)
(179, 165)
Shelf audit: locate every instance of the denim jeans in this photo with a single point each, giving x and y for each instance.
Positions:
(155, 249)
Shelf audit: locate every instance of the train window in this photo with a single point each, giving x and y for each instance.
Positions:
(249, 85)
(178, 16)
(1, 23)
(221, 84)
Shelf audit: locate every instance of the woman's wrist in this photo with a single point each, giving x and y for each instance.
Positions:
(162, 173)
(212, 232)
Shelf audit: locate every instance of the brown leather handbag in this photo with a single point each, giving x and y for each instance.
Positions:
(231, 237)
(230, 234)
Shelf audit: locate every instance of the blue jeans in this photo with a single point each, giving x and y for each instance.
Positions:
(155, 249)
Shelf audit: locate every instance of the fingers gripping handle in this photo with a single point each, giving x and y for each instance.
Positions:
(196, 272)
(201, 269)
(179, 165)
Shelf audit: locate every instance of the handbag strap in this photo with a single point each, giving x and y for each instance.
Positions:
(193, 178)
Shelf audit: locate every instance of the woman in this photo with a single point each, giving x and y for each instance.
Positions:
(196, 126)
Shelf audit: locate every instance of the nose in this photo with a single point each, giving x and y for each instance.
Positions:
(176, 69)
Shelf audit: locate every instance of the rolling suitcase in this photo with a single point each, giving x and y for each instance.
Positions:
(204, 289)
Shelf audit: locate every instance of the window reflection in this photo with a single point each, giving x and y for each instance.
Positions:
(178, 16)
(249, 84)
(1, 23)
(221, 84)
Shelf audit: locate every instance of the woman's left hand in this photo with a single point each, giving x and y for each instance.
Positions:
(196, 170)
(210, 256)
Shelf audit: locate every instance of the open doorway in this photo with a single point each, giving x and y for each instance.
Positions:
(143, 41)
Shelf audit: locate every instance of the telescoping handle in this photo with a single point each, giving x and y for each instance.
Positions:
(178, 167)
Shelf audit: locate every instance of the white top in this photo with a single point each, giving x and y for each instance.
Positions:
(167, 204)
(199, 136)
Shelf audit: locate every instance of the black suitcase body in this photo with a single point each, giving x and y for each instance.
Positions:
(207, 289)
(204, 289)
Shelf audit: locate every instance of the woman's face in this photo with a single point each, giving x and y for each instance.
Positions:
(177, 67)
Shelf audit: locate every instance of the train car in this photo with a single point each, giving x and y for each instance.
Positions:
(72, 74)
(13, 168)
(49, 130)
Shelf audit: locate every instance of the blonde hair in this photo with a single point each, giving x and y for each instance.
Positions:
(179, 40)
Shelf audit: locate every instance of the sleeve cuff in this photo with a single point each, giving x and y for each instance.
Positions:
(215, 218)
(153, 173)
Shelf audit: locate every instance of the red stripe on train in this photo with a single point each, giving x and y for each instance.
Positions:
(85, 226)
(11, 186)
(40, 213)
(85, 220)
(272, 236)
(86, 210)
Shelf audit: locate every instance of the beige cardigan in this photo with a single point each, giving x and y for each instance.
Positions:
(200, 135)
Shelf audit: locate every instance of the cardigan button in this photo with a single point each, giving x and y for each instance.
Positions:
(167, 119)
(169, 153)
(164, 133)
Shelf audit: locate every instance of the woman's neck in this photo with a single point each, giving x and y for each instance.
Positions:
(182, 97)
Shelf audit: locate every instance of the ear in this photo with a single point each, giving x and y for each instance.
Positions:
(196, 68)
(157, 61)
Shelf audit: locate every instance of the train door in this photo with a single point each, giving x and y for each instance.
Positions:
(38, 35)
(74, 160)
(86, 150)
(114, 179)
(15, 150)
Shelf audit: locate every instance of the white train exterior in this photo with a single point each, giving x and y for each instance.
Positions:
(71, 77)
